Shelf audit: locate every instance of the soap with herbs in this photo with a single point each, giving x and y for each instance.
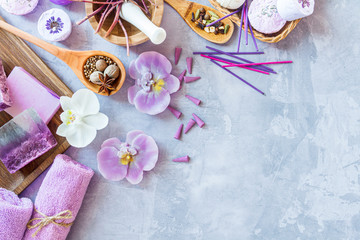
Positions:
(23, 139)
(5, 100)
(28, 92)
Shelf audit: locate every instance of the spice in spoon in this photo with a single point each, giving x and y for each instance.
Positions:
(102, 71)
(209, 22)
(106, 84)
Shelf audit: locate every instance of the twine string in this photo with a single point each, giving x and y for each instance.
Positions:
(46, 220)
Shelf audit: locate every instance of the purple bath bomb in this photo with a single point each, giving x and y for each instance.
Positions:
(19, 7)
(264, 16)
(61, 2)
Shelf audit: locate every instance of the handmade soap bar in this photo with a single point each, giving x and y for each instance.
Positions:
(5, 100)
(23, 139)
(264, 16)
(27, 91)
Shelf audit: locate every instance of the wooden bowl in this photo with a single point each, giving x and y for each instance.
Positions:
(117, 36)
(94, 87)
(269, 38)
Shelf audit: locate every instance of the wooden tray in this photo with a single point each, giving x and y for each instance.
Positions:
(269, 38)
(15, 52)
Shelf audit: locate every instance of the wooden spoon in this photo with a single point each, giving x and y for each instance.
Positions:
(185, 8)
(74, 59)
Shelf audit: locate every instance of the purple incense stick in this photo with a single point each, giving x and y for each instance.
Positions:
(232, 53)
(253, 37)
(240, 30)
(252, 69)
(239, 78)
(246, 22)
(264, 68)
(210, 24)
(236, 62)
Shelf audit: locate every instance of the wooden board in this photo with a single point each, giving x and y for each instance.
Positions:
(15, 52)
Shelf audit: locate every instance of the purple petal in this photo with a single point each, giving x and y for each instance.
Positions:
(155, 63)
(172, 83)
(135, 174)
(147, 154)
(133, 72)
(130, 137)
(109, 164)
(112, 142)
(132, 91)
(152, 103)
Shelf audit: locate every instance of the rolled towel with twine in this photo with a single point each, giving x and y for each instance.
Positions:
(59, 199)
(14, 215)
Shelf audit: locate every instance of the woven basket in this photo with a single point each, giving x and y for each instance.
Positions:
(269, 38)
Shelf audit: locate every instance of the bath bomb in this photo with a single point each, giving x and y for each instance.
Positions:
(264, 16)
(231, 4)
(19, 7)
(294, 9)
(54, 25)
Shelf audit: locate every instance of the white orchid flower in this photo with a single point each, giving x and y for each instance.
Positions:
(81, 118)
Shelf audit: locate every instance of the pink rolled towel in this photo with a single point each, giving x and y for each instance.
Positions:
(59, 199)
(14, 215)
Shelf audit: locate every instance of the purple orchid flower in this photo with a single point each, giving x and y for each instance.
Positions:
(153, 83)
(117, 160)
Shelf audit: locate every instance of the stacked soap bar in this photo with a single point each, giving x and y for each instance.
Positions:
(5, 100)
(23, 139)
(28, 92)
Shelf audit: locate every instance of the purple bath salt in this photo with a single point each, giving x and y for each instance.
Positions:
(189, 62)
(176, 113)
(177, 55)
(189, 125)
(5, 100)
(193, 99)
(178, 132)
(199, 122)
(191, 79)
(182, 159)
(23, 139)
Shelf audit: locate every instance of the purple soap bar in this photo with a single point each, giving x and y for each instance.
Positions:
(264, 16)
(23, 139)
(28, 92)
(5, 100)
